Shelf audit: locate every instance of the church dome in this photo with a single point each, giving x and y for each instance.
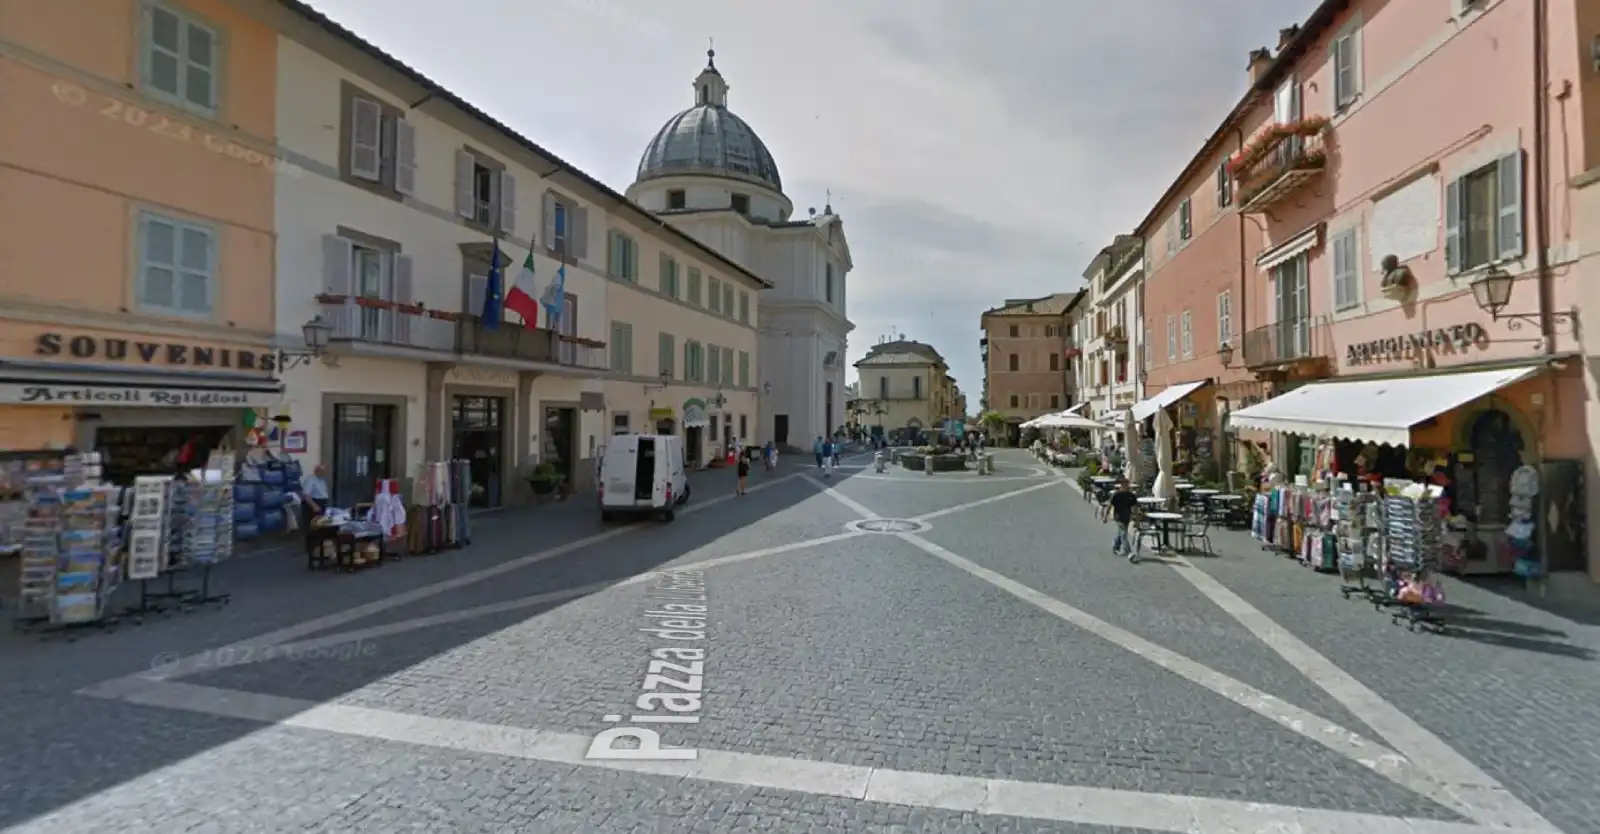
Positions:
(709, 140)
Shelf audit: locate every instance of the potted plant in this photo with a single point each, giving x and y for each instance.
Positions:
(544, 479)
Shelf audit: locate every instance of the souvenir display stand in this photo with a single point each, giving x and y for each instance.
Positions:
(71, 545)
(155, 539)
(1358, 524)
(208, 523)
(1412, 531)
(438, 517)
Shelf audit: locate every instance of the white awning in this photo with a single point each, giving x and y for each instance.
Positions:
(1303, 242)
(1147, 407)
(1379, 411)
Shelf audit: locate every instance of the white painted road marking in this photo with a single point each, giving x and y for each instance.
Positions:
(194, 663)
(999, 797)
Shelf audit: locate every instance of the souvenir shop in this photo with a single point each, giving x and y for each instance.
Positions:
(1191, 405)
(1441, 473)
(388, 526)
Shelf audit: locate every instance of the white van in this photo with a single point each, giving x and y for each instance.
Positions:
(642, 474)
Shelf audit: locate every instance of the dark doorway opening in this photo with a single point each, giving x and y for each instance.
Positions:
(693, 444)
(363, 438)
(827, 411)
(780, 429)
(478, 429)
(560, 435)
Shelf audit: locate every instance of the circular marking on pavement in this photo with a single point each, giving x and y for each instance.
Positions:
(888, 525)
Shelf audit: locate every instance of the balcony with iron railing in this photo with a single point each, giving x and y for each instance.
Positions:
(376, 322)
(1288, 342)
(1277, 162)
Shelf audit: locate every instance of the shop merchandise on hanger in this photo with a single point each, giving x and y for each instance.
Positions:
(1412, 530)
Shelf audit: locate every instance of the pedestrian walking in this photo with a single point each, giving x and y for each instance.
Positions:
(744, 472)
(1120, 508)
(819, 448)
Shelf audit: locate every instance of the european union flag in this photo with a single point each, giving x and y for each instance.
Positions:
(494, 292)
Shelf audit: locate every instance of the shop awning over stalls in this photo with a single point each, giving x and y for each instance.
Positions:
(1166, 397)
(1382, 411)
(25, 382)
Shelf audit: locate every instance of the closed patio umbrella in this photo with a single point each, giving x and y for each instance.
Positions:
(1164, 481)
(1130, 436)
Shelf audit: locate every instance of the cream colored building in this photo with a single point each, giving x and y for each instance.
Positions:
(1587, 208)
(394, 195)
(905, 385)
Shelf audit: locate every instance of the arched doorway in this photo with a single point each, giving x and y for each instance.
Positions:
(1496, 443)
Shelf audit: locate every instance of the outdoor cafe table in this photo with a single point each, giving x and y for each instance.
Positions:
(1222, 506)
(1166, 522)
(1151, 502)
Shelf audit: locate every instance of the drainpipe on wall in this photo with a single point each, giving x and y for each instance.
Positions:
(1541, 177)
(1226, 465)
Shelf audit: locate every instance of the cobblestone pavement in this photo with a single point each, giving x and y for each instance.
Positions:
(984, 666)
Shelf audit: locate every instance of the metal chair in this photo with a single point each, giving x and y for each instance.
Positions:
(1197, 533)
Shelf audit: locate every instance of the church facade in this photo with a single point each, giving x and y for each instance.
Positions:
(708, 174)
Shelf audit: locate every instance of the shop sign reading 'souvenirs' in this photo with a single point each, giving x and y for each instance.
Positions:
(1457, 337)
(141, 352)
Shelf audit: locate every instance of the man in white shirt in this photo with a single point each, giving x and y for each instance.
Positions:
(314, 490)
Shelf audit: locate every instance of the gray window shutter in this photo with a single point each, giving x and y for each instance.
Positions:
(663, 282)
(508, 202)
(338, 280)
(404, 293)
(466, 199)
(477, 291)
(727, 300)
(1508, 232)
(366, 128)
(405, 157)
(727, 367)
(612, 261)
(688, 361)
(548, 221)
(1344, 73)
(578, 243)
(1452, 227)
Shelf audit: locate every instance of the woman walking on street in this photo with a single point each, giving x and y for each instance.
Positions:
(744, 472)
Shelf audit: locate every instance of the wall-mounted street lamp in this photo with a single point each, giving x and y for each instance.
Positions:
(1492, 291)
(717, 401)
(665, 378)
(1225, 353)
(317, 333)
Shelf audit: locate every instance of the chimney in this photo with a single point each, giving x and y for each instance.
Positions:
(1260, 60)
(1286, 35)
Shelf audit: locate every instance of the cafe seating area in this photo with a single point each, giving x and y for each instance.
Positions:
(1180, 525)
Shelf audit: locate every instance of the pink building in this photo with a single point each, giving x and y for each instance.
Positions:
(1413, 190)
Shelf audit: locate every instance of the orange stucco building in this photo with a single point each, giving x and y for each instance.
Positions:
(136, 191)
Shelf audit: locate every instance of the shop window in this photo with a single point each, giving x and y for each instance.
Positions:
(177, 265)
(620, 424)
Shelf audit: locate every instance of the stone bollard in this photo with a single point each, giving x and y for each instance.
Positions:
(927, 464)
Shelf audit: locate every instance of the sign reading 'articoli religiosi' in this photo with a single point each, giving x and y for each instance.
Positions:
(1455, 337)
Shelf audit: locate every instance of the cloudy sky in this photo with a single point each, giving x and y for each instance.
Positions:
(975, 150)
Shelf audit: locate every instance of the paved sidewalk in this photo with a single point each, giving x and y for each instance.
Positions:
(1513, 687)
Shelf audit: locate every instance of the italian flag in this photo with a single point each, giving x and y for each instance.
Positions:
(517, 298)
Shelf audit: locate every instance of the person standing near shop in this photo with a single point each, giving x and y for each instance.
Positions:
(744, 472)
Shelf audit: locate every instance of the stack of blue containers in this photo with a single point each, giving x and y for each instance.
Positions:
(246, 517)
(258, 503)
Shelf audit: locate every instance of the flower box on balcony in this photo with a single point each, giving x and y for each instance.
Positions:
(330, 298)
(1073, 353)
(410, 309)
(1269, 137)
(374, 303)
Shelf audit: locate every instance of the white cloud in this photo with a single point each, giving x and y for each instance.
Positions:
(976, 151)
